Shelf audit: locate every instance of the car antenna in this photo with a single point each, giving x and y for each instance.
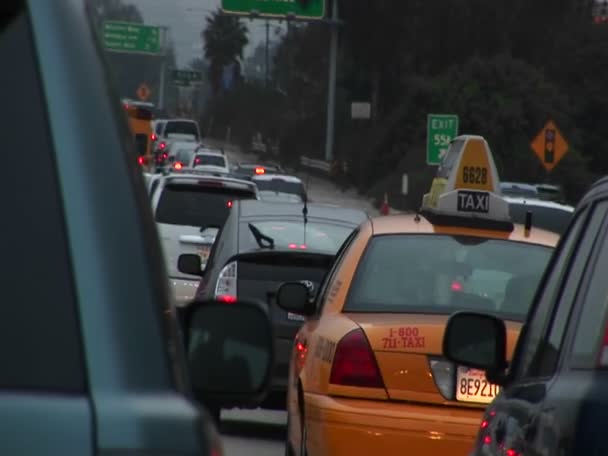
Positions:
(305, 208)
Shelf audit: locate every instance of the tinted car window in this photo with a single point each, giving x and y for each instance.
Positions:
(40, 345)
(546, 218)
(450, 273)
(181, 127)
(212, 160)
(316, 235)
(196, 205)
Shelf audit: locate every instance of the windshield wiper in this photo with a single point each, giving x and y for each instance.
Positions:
(261, 238)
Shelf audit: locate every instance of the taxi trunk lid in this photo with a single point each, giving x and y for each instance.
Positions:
(408, 350)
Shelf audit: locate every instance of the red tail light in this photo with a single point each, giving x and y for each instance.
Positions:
(354, 363)
(260, 170)
(153, 137)
(140, 160)
(456, 286)
(229, 204)
(162, 145)
(228, 299)
(165, 155)
(178, 165)
(197, 160)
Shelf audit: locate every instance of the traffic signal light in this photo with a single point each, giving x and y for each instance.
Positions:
(549, 145)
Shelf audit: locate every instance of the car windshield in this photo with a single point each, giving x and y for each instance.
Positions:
(553, 219)
(444, 274)
(197, 205)
(209, 160)
(280, 186)
(316, 236)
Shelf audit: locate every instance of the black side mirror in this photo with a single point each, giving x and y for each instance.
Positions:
(189, 263)
(476, 340)
(295, 297)
(229, 351)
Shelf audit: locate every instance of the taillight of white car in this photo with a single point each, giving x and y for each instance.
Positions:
(225, 287)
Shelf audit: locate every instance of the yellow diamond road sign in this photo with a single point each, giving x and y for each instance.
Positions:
(550, 146)
(143, 92)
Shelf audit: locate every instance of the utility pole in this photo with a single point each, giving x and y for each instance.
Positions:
(267, 53)
(331, 92)
(163, 70)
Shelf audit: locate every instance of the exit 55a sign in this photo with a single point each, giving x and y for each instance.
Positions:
(440, 130)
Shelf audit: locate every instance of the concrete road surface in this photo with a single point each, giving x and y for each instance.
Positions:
(253, 432)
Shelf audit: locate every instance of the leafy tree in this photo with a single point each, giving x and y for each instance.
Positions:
(225, 38)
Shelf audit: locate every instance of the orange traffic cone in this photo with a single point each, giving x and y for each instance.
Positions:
(384, 209)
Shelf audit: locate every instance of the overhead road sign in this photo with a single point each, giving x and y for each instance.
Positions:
(283, 9)
(186, 77)
(131, 37)
(440, 130)
(549, 146)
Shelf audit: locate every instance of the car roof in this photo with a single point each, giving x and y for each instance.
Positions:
(418, 224)
(283, 177)
(539, 203)
(256, 165)
(261, 209)
(188, 177)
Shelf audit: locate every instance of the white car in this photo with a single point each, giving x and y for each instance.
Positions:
(547, 215)
(212, 160)
(180, 152)
(189, 210)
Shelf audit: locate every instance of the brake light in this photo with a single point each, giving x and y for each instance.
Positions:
(293, 246)
(140, 160)
(260, 170)
(443, 374)
(162, 145)
(456, 286)
(301, 350)
(225, 287)
(165, 155)
(178, 165)
(153, 137)
(229, 204)
(228, 299)
(354, 363)
(197, 160)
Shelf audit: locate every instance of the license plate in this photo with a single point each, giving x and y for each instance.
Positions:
(295, 317)
(472, 386)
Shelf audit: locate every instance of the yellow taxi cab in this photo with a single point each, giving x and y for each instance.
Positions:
(367, 375)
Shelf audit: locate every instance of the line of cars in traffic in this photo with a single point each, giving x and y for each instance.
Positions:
(359, 306)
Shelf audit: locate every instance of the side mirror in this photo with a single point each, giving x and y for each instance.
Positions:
(189, 263)
(229, 351)
(295, 297)
(476, 340)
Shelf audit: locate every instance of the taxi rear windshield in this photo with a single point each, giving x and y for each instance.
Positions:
(443, 274)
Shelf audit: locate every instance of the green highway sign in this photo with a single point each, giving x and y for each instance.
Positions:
(440, 130)
(186, 77)
(131, 37)
(304, 9)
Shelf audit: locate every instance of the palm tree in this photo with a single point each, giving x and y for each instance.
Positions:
(225, 38)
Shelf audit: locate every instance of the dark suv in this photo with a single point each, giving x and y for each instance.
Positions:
(554, 394)
(92, 362)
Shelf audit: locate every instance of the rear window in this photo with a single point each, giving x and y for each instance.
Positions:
(195, 205)
(546, 218)
(444, 274)
(280, 186)
(318, 236)
(181, 127)
(209, 160)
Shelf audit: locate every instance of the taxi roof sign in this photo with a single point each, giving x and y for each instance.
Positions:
(467, 186)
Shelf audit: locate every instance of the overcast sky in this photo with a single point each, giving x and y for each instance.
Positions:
(185, 19)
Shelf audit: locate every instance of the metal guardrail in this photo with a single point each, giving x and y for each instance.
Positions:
(321, 165)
